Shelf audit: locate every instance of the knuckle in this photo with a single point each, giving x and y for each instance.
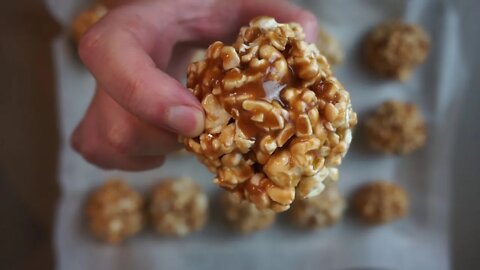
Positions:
(104, 166)
(133, 84)
(140, 164)
(90, 152)
(128, 22)
(154, 162)
(89, 45)
(307, 16)
(308, 20)
(122, 139)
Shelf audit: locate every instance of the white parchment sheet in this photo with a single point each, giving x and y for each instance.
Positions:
(418, 242)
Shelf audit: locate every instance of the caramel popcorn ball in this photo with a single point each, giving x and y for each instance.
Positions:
(87, 19)
(380, 202)
(396, 128)
(329, 47)
(277, 122)
(393, 49)
(320, 211)
(114, 212)
(178, 207)
(243, 216)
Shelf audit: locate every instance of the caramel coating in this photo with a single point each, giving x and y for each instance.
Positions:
(244, 216)
(178, 207)
(277, 122)
(330, 47)
(86, 19)
(380, 202)
(393, 49)
(114, 212)
(396, 128)
(320, 211)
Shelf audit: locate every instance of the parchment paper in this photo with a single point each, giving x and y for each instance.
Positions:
(418, 242)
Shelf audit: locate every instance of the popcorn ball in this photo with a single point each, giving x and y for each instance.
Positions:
(114, 212)
(320, 211)
(393, 49)
(178, 207)
(87, 19)
(396, 128)
(329, 47)
(380, 202)
(244, 216)
(277, 122)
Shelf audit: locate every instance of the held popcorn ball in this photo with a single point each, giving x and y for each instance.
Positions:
(277, 122)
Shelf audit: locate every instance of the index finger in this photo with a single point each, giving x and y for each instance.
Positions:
(116, 52)
(221, 19)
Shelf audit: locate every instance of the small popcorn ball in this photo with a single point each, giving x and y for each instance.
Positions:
(244, 216)
(320, 211)
(396, 128)
(330, 47)
(87, 19)
(277, 122)
(178, 207)
(393, 49)
(380, 202)
(114, 212)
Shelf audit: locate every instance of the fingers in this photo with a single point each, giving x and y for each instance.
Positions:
(120, 48)
(223, 18)
(116, 52)
(95, 151)
(128, 51)
(110, 137)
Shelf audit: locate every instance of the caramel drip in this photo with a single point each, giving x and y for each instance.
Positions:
(209, 150)
(260, 189)
(252, 189)
(323, 90)
(250, 130)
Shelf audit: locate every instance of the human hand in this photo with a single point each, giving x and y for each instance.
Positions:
(139, 107)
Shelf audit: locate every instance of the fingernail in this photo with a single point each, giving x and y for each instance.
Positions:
(185, 120)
